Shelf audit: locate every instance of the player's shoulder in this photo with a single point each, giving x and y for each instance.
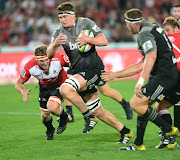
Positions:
(83, 20)
(31, 63)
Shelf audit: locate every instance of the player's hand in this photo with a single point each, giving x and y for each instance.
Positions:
(138, 91)
(82, 40)
(107, 75)
(60, 40)
(25, 94)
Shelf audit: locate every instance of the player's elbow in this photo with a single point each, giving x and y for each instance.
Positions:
(106, 42)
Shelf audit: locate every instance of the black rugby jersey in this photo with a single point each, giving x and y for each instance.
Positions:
(88, 60)
(153, 38)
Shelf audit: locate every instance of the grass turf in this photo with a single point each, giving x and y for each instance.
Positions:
(22, 134)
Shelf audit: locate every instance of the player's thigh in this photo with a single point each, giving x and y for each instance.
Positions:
(74, 83)
(157, 89)
(163, 105)
(140, 105)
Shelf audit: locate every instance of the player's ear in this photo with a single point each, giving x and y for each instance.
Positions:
(176, 30)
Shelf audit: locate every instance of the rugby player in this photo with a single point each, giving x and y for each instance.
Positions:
(51, 75)
(80, 89)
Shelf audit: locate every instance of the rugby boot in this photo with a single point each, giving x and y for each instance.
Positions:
(90, 124)
(133, 147)
(126, 137)
(167, 142)
(50, 134)
(62, 124)
(174, 132)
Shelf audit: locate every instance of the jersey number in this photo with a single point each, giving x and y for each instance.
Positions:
(164, 35)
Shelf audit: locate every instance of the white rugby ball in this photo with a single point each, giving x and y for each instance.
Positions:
(86, 47)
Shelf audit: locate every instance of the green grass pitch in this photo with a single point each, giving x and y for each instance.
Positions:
(22, 134)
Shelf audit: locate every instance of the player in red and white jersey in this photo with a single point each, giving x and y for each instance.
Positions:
(51, 75)
(172, 29)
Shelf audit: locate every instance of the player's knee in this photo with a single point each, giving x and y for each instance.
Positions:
(45, 115)
(104, 93)
(132, 103)
(98, 112)
(94, 106)
(70, 85)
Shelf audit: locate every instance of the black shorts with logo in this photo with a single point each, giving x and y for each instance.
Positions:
(159, 89)
(92, 76)
(45, 93)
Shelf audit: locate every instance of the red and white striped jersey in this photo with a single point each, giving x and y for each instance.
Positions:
(175, 40)
(56, 74)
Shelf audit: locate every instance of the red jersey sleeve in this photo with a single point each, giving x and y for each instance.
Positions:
(25, 74)
(64, 60)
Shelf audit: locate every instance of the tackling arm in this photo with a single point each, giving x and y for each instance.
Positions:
(127, 72)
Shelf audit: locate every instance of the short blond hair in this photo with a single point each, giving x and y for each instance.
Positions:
(41, 50)
(171, 21)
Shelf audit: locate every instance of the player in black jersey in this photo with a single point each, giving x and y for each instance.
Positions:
(80, 88)
(160, 66)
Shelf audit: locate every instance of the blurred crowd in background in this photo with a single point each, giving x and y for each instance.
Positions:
(32, 22)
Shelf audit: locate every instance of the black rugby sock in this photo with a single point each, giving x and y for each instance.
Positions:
(123, 103)
(177, 116)
(124, 130)
(87, 115)
(141, 127)
(166, 116)
(153, 116)
(48, 123)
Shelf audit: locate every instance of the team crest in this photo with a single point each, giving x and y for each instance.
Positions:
(23, 73)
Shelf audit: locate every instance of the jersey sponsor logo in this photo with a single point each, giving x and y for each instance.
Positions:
(91, 86)
(66, 59)
(101, 83)
(96, 28)
(23, 73)
(72, 46)
(174, 60)
(147, 45)
(171, 38)
(82, 73)
(161, 97)
(144, 90)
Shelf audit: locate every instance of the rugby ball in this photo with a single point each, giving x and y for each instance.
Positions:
(86, 47)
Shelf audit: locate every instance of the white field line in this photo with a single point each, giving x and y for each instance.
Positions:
(27, 113)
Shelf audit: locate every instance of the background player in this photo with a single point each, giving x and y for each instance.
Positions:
(162, 80)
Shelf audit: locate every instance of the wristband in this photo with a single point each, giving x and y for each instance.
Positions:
(141, 81)
(22, 92)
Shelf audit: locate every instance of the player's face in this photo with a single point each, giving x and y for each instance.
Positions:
(67, 21)
(168, 29)
(131, 28)
(176, 13)
(44, 64)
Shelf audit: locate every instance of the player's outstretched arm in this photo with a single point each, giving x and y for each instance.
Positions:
(20, 88)
(127, 72)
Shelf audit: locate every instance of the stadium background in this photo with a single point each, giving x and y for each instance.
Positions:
(25, 24)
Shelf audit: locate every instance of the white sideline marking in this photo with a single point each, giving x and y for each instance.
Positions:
(20, 113)
(27, 113)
